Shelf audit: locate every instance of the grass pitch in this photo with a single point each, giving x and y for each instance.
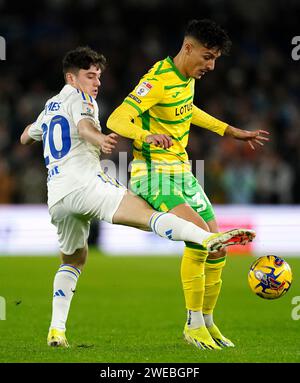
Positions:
(131, 309)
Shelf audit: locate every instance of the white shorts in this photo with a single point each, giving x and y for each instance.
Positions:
(72, 214)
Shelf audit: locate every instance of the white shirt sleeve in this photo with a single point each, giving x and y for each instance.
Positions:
(36, 131)
(97, 115)
(81, 108)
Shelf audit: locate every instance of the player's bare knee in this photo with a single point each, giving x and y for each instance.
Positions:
(217, 255)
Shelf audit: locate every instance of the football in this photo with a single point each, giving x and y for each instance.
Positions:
(270, 277)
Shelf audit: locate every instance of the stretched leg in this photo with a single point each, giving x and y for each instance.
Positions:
(134, 211)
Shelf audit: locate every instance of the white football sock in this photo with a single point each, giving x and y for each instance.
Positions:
(170, 226)
(208, 319)
(63, 290)
(195, 319)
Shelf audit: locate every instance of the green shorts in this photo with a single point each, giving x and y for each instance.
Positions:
(164, 192)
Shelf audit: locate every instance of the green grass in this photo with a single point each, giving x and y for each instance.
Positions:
(130, 309)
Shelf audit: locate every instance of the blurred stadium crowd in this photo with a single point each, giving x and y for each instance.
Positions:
(256, 87)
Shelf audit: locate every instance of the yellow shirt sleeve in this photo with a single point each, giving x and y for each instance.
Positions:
(146, 94)
(206, 121)
(121, 121)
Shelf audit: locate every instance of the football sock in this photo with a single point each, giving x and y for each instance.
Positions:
(208, 319)
(170, 226)
(193, 280)
(213, 283)
(63, 290)
(195, 319)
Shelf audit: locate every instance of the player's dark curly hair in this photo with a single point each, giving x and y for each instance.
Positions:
(82, 58)
(210, 34)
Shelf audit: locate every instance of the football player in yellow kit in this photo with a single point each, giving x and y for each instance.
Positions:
(162, 103)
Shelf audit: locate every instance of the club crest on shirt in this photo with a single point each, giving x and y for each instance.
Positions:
(143, 89)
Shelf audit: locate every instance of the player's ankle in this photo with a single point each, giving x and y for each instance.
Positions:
(195, 319)
(208, 320)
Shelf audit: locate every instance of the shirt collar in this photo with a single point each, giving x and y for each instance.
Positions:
(68, 89)
(169, 59)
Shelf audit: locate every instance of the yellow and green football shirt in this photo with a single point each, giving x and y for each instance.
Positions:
(163, 104)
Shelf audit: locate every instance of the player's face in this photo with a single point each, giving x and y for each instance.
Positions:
(200, 60)
(88, 80)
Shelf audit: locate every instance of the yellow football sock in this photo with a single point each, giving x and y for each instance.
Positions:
(213, 283)
(192, 276)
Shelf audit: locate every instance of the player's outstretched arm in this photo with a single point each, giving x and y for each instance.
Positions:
(206, 121)
(88, 131)
(256, 137)
(25, 139)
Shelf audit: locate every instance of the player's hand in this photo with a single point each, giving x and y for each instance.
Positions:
(109, 143)
(162, 140)
(257, 137)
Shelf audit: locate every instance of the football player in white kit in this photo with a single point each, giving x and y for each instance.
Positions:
(79, 190)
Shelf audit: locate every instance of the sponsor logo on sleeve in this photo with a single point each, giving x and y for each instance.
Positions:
(87, 109)
(135, 98)
(143, 89)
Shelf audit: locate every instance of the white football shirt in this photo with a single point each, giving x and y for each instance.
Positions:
(70, 160)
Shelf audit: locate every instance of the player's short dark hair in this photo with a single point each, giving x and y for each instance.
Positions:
(209, 34)
(82, 58)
